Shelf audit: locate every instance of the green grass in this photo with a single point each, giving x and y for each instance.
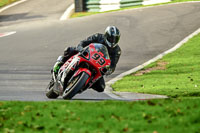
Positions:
(82, 14)
(6, 2)
(155, 116)
(179, 78)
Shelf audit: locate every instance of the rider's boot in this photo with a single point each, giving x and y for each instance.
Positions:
(99, 86)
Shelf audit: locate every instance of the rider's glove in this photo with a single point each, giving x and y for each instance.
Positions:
(109, 72)
(79, 48)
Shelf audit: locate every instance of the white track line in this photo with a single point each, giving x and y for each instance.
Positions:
(109, 90)
(67, 13)
(11, 5)
(7, 34)
(5, 8)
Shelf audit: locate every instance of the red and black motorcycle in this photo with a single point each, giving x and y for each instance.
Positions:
(79, 72)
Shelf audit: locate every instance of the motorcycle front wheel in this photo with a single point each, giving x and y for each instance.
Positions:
(76, 84)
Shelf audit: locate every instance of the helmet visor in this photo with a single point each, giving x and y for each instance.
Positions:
(113, 39)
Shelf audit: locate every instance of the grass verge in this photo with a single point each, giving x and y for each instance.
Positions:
(82, 14)
(6, 2)
(176, 74)
(153, 116)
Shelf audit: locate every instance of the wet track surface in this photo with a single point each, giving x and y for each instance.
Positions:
(27, 56)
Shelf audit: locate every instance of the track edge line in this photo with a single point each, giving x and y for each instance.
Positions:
(11, 5)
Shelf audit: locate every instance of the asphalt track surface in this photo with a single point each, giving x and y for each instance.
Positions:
(27, 56)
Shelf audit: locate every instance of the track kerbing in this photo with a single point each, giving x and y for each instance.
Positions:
(7, 34)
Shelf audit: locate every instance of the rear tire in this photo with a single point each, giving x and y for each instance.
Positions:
(78, 84)
(50, 92)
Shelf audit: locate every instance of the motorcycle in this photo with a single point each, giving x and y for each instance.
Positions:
(79, 72)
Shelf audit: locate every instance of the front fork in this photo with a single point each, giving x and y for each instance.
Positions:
(57, 87)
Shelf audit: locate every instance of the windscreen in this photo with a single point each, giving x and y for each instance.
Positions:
(101, 48)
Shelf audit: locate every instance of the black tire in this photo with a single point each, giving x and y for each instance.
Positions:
(78, 84)
(50, 92)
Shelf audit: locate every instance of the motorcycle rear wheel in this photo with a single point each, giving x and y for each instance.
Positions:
(50, 92)
(76, 84)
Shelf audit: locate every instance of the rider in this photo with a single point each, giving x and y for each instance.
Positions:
(110, 39)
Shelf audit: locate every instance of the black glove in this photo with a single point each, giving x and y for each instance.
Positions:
(79, 48)
(109, 72)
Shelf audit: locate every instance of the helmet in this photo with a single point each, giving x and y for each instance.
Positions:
(112, 36)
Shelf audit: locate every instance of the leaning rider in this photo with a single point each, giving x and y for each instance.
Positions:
(110, 39)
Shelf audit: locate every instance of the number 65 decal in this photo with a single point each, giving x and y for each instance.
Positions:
(96, 57)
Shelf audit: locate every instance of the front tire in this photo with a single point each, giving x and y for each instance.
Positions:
(76, 84)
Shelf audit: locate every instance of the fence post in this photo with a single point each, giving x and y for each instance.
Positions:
(79, 5)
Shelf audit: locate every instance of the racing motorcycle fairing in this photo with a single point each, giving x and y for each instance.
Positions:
(93, 61)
